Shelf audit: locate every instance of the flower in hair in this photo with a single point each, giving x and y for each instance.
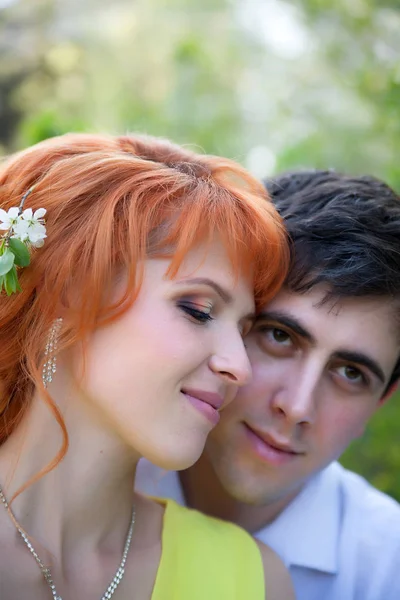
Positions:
(10, 218)
(23, 229)
(30, 227)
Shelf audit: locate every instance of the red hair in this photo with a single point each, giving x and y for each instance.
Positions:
(111, 202)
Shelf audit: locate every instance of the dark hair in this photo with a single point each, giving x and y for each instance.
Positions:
(345, 232)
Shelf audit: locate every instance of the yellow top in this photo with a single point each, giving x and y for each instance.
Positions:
(206, 559)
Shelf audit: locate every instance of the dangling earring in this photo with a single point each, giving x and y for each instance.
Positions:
(50, 366)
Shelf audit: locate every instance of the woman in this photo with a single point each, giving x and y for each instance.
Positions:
(124, 341)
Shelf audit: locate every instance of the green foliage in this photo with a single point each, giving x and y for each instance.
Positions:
(10, 282)
(21, 253)
(6, 261)
(12, 252)
(377, 454)
(48, 123)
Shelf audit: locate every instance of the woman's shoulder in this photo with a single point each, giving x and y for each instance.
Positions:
(234, 547)
(204, 557)
(209, 531)
(277, 579)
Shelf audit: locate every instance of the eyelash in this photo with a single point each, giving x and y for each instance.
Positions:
(200, 316)
(364, 380)
(270, 330)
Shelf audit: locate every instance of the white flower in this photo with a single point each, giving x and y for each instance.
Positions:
(28, 215)
(20, 230)
(37, 235)
(10, 218)
(27, 227)
(30, 230)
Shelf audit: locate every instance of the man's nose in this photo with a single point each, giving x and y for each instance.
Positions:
(296, 398)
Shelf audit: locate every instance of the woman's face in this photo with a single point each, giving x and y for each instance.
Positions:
(156, 374)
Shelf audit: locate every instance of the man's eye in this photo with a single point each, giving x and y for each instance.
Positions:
(194, 311)
(274, 335)
(280, 336)
(352, 374)
(275, 341)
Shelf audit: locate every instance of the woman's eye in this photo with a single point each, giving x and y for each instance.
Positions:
(198, 314)
(352, 374)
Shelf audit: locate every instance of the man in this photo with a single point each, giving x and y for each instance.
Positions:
(325, 354)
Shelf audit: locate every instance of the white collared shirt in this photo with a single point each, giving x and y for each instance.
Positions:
(340, 537)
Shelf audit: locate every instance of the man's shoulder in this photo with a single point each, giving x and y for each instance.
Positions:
(344, 529)
(365, 501)
(371, 526)
(371, 523)
(343, 505)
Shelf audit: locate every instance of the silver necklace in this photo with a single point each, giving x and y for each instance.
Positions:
(47, 573)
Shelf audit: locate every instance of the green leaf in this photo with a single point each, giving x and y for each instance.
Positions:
(14, 274)
(11, 282)
(20, 251)
(6, 261)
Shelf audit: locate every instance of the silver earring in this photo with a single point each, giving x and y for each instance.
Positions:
(50, 365)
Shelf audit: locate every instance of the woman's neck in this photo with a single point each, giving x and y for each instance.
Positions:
(87, 498)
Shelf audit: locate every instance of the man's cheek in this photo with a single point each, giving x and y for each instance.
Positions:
(354, 429)
(338, 431)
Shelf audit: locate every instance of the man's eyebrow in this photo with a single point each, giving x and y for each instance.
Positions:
(362, 359)
(293, 323)
(283, 318)
(224, 294)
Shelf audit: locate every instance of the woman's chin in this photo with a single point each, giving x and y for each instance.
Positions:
(176, 459)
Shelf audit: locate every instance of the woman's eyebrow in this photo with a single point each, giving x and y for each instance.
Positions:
(223, 293)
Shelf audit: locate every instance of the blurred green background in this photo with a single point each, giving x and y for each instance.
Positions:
(273, 84)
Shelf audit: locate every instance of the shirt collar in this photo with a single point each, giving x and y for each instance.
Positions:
(306, 533)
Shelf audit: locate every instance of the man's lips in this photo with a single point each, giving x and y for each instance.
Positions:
(208, 403)
(269, 448)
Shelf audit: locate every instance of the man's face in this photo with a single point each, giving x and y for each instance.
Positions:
(319, 372)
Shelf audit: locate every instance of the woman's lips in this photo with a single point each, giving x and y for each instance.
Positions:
(208, 403)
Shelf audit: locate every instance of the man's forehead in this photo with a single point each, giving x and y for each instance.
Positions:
(320, 300)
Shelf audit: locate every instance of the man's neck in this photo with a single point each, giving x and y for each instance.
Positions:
(203, 491)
